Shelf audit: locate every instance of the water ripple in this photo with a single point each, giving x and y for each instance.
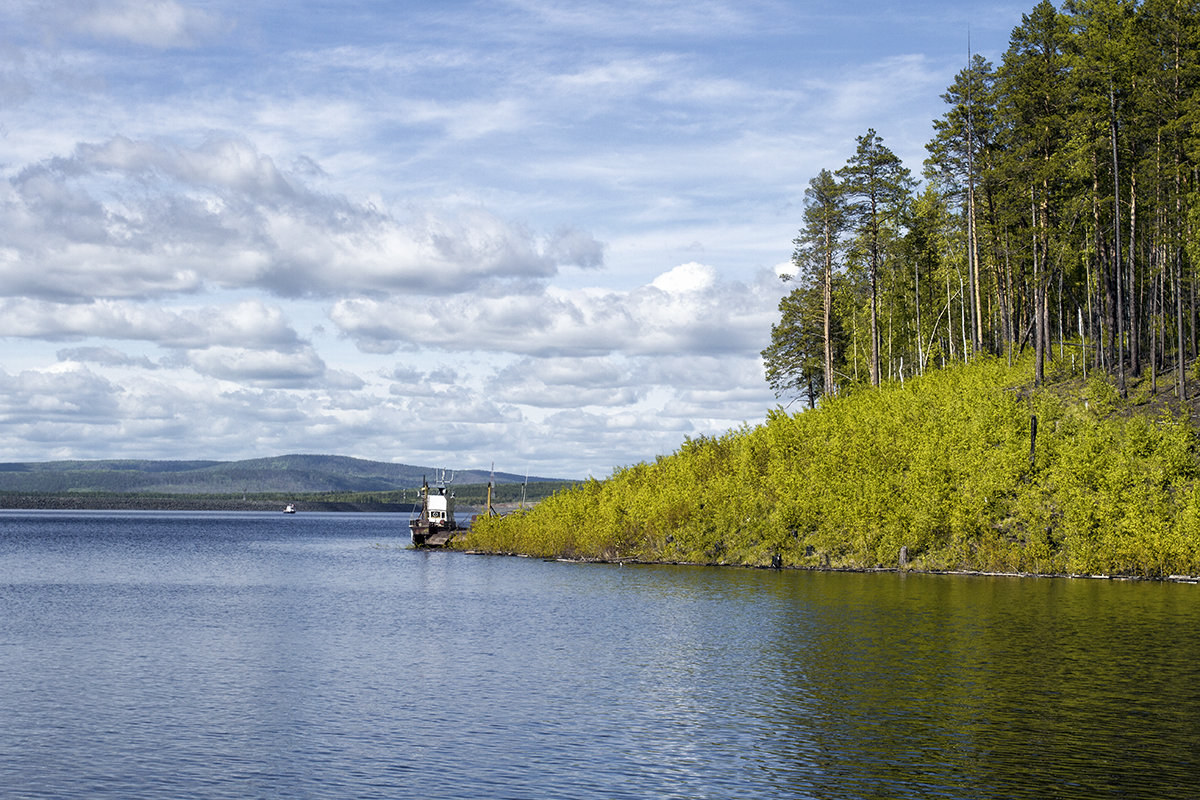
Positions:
(252, 656)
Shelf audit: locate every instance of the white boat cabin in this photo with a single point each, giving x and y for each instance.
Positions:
(440, 505)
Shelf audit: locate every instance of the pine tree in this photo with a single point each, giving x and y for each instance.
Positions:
(1034, 104)
(877, 185)
(818, 247)
(960, 152)
(793, 360)
(789, 361)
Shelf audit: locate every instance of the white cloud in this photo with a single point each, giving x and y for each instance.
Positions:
(105, 356)
(473, 119)
(683, 311)
(690, 277)
(537, 231)
(637, 19)
(248, 323)
(66, 392)
(617, 77)
(259, 367)
(566, 383)
(128, 218)
(157, 23)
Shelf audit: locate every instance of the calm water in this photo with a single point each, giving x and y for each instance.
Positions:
(263, 656)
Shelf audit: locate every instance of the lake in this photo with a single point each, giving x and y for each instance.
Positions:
(242, 655)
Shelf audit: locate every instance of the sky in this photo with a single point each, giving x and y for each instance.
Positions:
(541, 234)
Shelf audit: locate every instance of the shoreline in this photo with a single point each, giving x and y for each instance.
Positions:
(34, 502)
(1180, 579)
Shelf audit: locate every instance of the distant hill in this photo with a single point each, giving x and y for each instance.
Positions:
(289, 473)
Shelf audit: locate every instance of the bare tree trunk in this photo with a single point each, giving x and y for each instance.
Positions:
(917, 301)
(949, 318)
(1011, 302)
(1039, 335)
(1004, 286)
(1181, 390)
(1135, 301)
(874, 331)
(1153, 331)
(1192, 298)
(1088, 289)
(827, 280)
(1062, 338)
(874, 294)
(962, 312)
(1118, 264)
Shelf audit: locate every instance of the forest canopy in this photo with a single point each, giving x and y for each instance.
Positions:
(1058, 213)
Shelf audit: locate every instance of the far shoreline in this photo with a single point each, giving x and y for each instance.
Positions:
(85, 502)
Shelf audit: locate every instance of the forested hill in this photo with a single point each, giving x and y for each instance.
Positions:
(1057, 229)
(289, 473)
(943, 466)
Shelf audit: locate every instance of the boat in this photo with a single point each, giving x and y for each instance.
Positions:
(435, 525)
(289, 509)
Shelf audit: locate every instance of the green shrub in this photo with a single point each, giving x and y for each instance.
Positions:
(940, 465)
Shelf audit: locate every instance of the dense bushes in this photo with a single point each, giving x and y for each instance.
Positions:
(940, 465)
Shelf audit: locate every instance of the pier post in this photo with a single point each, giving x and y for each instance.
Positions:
(1032, 442)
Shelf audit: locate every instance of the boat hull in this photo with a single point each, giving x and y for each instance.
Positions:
(426, 535)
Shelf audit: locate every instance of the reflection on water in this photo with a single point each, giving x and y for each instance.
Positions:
(996, 686)
(242, 655)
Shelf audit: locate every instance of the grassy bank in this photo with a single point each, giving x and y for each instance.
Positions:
(940, 465)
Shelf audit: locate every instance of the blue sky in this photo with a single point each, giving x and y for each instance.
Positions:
(540, 233)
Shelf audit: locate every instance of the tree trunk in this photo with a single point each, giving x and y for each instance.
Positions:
(917, 305)
(1039, 330)
(827, 280)
(874, 328)
(1136, 302)
(1118, 264)
(874, 293)
(1181, 385)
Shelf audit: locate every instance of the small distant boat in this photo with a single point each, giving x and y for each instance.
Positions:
(289, 509)
(435, 525)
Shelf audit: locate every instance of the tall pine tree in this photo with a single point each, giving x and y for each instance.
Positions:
(877, 186)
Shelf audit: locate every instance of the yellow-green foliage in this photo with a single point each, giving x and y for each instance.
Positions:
(940, 465)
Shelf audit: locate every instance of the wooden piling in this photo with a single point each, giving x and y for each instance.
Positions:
(1033, 442)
